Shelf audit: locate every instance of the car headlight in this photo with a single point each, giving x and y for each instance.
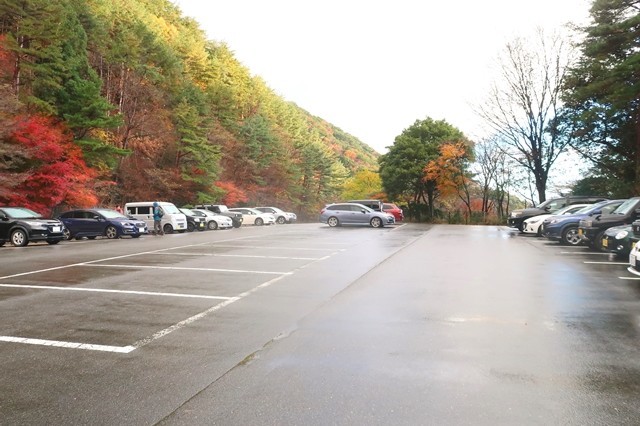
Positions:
(622, 234)
(588, 223)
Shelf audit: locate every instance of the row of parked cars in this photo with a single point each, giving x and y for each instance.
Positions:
(19, 225)
(374, 213)
(604, 225)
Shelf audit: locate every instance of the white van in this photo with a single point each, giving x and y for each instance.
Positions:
(172, 220)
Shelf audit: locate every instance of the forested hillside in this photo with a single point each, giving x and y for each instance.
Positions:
(108, 101)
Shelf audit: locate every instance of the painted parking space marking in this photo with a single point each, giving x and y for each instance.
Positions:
(239, 256)
(587, 253)
(179, 268)
(68, 345)
(273, 248)
(104, 290)
(606, 263)
(145, 341)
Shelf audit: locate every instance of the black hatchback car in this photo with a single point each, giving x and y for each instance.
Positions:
(20, 225)
(92, 223)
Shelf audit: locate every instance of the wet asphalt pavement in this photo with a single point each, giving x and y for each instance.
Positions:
(306, 324)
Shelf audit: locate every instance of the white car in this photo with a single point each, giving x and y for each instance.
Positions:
(254, 217)
(533, 225)
(280, 215)
(214, 221)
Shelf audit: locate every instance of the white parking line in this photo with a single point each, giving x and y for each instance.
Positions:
(580, 253)
(104, 290)
(272, 248)
(177, 268)
(155, 336)
(238, 255)
(630, 278)
(69, 345)
(606, 263)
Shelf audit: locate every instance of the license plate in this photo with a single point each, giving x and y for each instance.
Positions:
(55, 229)
(140, 229)
(605, 242)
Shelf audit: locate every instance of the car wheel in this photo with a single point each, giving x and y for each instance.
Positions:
(570, 236)
(191, 227)
(67, 234)
(1, 243)
(212, 225)
(376, 222)
(597, 243)
(111, 232)
(333, 221)
(539, 231)
(52, 242)
(521, 226)
(237, 224)
(167, 228)
(281, 220)
(19, 238)
(258, 222)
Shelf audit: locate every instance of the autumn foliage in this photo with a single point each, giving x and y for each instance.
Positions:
(45, 167)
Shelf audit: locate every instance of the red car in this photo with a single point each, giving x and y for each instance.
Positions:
(394, 210)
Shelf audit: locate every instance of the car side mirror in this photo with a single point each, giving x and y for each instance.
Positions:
(595, 213)
(363, 211)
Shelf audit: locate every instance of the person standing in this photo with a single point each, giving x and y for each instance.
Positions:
(157, 219)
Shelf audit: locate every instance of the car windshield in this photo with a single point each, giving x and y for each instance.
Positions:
(626, 207)
(111, 214)
(586, 209)
(204, 212)
(369, 210)
(170, 209)
(187, 212)
(21, 213)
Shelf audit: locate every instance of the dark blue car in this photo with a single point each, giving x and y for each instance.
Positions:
(565, 228)
(92, 223)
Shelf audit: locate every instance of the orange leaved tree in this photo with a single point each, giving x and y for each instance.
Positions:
(450, 172)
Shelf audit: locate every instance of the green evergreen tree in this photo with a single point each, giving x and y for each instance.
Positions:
(602, 103)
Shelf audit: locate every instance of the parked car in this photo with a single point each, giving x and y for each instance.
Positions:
(173, 219)
(194, 222)
(280, 215)
(376, 205)
(254, 217)
(92, 223)
(617, 240)
(517, 217)
(565, 228)
(223, 210)
(354, 214)
(534, 225)
(213, 220)
(634, 260)
(635, 232)
(20, 226)
(393, 210)
(592, 229)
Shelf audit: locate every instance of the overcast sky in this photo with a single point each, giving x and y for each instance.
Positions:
(374, 67)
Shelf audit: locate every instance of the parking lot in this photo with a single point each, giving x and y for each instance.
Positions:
(309, 324)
